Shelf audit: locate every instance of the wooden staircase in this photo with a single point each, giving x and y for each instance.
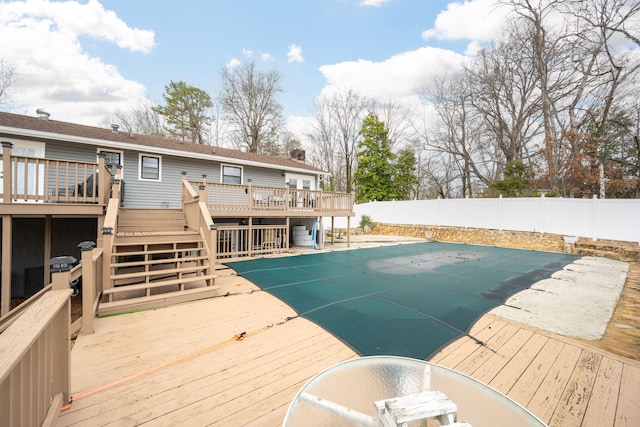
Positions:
(156, 261)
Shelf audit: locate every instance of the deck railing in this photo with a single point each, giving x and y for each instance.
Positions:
(35, 362)
(253, 198)
(35, 344)
(38, 180)
(251, 240)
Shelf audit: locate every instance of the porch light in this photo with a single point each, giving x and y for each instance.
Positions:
(62, 263)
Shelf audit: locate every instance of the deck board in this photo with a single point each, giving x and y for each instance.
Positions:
(628, 410)
(181, 364)
(573, 402)
(602, 403)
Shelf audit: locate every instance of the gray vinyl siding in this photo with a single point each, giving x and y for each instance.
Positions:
(70, 151)
(263, 177)
(167, 192)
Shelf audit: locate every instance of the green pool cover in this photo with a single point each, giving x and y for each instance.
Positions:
(404, 300)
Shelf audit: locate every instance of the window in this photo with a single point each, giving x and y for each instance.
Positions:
(150, 167)
(293, 183)
(113, 158)
(306, 184)
(231, 174)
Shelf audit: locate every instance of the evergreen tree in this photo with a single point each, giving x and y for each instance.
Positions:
(186, 111)
(375, 171)
(405, 180)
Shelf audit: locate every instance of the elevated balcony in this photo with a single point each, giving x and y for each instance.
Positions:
(32, 185)
(230, 200)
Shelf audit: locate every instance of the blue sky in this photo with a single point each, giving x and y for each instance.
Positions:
(82, 60)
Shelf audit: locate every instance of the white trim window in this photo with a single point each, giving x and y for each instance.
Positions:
(149, 167)
(230, 174)
(112, 157)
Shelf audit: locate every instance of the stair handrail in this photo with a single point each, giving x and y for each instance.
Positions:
(197, 216)
(110, 228)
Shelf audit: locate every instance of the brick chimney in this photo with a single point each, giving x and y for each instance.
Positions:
(298, 155)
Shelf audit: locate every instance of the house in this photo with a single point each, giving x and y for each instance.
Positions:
(159, 208)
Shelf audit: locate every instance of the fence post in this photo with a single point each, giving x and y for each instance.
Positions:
(594, 217)
(89, 286)
(501, 224)
(542, 213)
(6, 171)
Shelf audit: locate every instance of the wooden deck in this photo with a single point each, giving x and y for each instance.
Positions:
(182, 364)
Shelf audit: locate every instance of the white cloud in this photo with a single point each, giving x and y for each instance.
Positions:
(90, 19)
(247, 52)
(54, 72)
(295, 53)
(266, 57)
(398, 77)
(233, 63)
(376, 3)
(476, 20)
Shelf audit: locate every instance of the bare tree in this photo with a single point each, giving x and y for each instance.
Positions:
(397, 119)
(503, 91)
(323, 143)
(249, 99)
(338, 119)
(536, 14)
(461, 132)
(142, 118)
(7, 78)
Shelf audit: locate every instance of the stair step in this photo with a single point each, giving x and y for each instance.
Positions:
(158, 300)
(149, 212)
(171, 271)
(151, 238)
(157, 248)
(158, 261)
(156, 285)
(136, 228)
(139, 245)
(156, 251)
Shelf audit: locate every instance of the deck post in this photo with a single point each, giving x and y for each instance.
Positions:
(250, 234)
(5, 285)
(286, 234)
(103, 191)
(61, 272)
(89, 286)
(202, 192)
(47, 248)
(6, 172)
(333, 234)
(107, 245)
(287, 196)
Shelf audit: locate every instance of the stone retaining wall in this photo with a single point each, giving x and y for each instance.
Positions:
(623, 251)
(477, 236)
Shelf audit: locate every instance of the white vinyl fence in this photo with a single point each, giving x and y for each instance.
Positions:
(616, 219)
